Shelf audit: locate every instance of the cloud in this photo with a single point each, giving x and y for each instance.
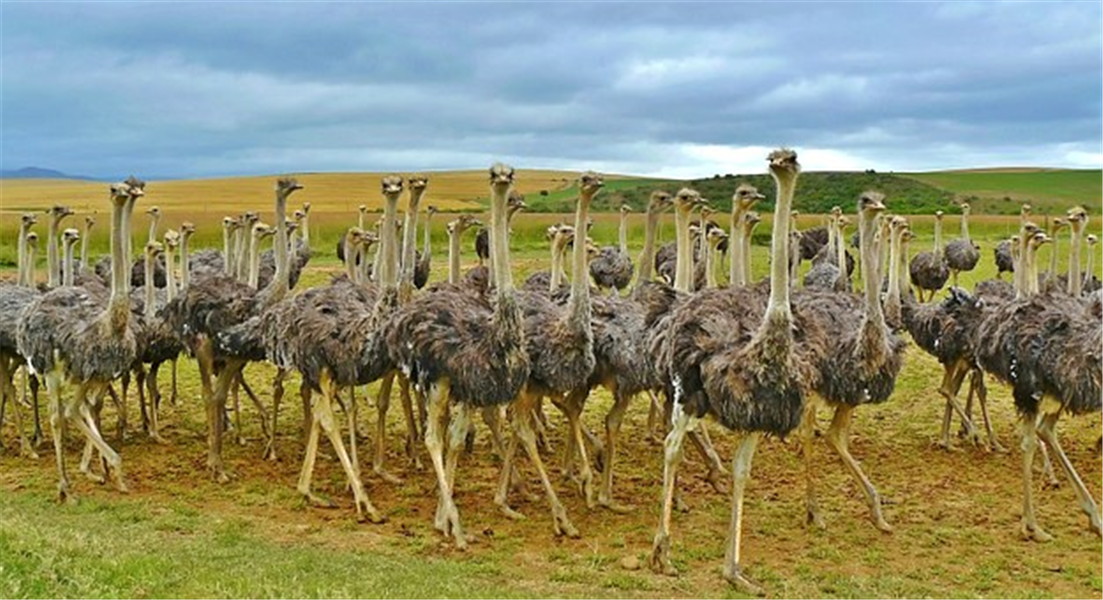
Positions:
(684, 89)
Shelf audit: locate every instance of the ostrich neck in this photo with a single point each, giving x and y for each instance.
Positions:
(902, 267)
(746, 257)
(840, 254)
(1053, 255)
(647, 257)
(119, 303)
(965, 226)
(1089, 270)
(454, 255)
(683, 272)
(360, 220)
(579, 308)
(185, 268)
(227, 251)
(623, 233)
(870, 282)
(499, 243)
(254, 262)
(153, 227)
(556, 278)
(778, 310)
(736, 272)
(831, 232)
(427, 235)
(937, 237)
(51, 252)
(128, 241)
(148, 309)
(710, 264)
(170, 274)
(1074, 262)
(67, 265)
(409, 239)
(351, 254)
(387, 269)
(281, 281)
(32, 253)
(893, 297)
(21, 249)
(377, 262)
(304, 230)
(84, 250)
(239, 253)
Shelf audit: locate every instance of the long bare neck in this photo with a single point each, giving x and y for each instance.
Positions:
(901, 268)
(409, 239)
(170, 274)
(870, 282)
(965, 225)
(499, 244)
(150, 298)
(118, 305)
(84, 249)
(387, 268)
(185, 268)
(351, 254)
(454, 255)
(128, 241)
(426, 239)
(647, 257)
(67, 265)
(840, 254)
(254, 262)
(745, 256)
(304, 230)
(623, 233)
(579, 307)
(831, 232)
(32, 251)
(240, 247)
(227, 251)
(21, 248)
(153, 220)
(778, 308)
(892, 300)
(937, 236)
(683, 272)
(736, 271)
(51, 252)
(710, 268)
(1053, 255)
(1074, 281)
(282, 279)
(1089, 271)
(377, 262)
(556, 278)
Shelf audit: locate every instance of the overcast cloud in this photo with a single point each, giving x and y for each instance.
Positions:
(688, 89)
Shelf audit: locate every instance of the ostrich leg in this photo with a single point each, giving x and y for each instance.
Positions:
(7, 391)
(154, 404)
(572, 406)
(412, 433)
(1047, 429)
(839, 437)
(703, 444)
(87, 425)
(523, 416)
(952, 379)
(31, 381)
(654, 418)
(741, 474)
(1029, 527)
(807, 436)
(323, 416)
(57, 430)
(172, 395)
(448, 517)
(977, 384)
(383, 404)
(262, 412)
(672, 455)
(613, 421)
(277, 396)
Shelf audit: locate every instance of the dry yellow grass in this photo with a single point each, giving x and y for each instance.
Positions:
(327, 192)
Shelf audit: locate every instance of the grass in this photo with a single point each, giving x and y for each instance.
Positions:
(1050, 191)
(177, 534)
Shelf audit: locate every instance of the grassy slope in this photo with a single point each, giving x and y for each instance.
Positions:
(999, 191)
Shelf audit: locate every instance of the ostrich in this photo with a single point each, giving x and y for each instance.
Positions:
(612, 268)
(743, 201)
(1005, 262)
(456, 230)
(750, 222)
(1047, 347)
(69, 239)
(209, 262)
(962, 254)
(362, 212)
(1090, 282)
(712, 258)
(1050, 280)
(860, 366)
(137, 270)
(826, 272)
(464, 349)
(733, 358)
(549, 282)
(13, 299)
(928, 270)
(89, 222)
(560, 345)
(215, 304)
(482, 238)
(27, 220)
(68, 334)
(424, 262)
(1078, 220)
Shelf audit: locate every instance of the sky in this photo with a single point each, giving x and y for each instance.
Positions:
(665, 89)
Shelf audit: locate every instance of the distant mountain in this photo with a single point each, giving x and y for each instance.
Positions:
(40, 173)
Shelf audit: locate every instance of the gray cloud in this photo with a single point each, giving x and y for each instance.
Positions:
(188, 89)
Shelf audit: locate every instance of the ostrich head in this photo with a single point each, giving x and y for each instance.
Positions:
(369, 239)
(707, 212)
(432, 210)
(285, 186)
(715, 237)
(354, 237)
(750, 220)
(172, 239)
(625, 209)
(687, 200)
(262, 230)
(590, 183)
(291, 225)
(154, 248)
(229, 224)
(551, 231)
(29, 219)
(897, 223)
(1092, 240)
(134, 182)
(516, 202)
(32, 240)
(1056, 225)
(965, 210)
(154, 212)
(392, 186)
(120, 194)
(564, 235)
(298, 215)
(871, 203)
(659, 202)
(89, 221)
(836, 212)
(60, 212)
(363, 208)
(417, 182)
(187, 228)
(938, 215)
(1024, 211)
(746, 196)
(70, 236)
(463, 223)
(1028, 231)
(501, 176)
(783, 164)
(249, 219)
(591, 249)
(1077, 218)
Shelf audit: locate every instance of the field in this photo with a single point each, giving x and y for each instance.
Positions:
(178, 534)
(1050, 190)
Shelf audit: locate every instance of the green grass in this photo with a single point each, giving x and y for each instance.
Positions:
(1000, 192)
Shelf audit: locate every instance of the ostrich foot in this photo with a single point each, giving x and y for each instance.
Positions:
(562, 524)
(366, 512)
(270, 451)
(92, 475)
(734, 576)
(586, 488)
(659, 561)
(317, 500)
(120, 485)
(26, 450)
(219, 474)
(1033, 532)
(994, 446)
(387, 476)
(944, 444)
(448, 518)
(814, 518)
(680, 503)
(510, 513)
(157, 439)
(608, 503)
(715, 479)
(64, 496)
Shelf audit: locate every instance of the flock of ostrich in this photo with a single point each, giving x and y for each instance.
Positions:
(758, 357)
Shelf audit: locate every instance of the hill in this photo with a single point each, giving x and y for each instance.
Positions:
(1001, 191)
(40, 173)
